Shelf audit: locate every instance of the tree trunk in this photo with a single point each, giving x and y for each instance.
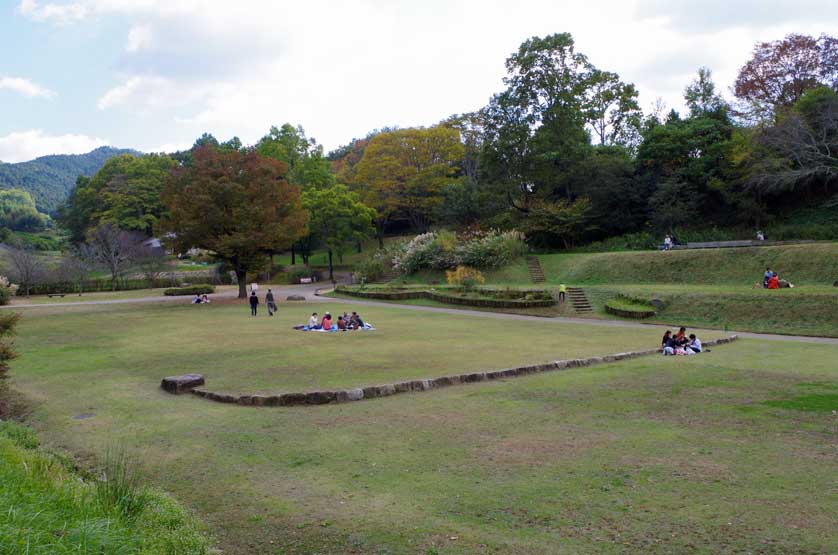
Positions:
(113, 281)
(331, 269)
(241, 277)
(360, 248)
(293, 256)
(379, 233)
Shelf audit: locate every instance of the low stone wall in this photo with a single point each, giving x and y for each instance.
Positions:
(448, 299)
(374, 391)
(636, 314)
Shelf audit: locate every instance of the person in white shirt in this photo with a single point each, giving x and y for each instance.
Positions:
(313, 323)
(695, 344)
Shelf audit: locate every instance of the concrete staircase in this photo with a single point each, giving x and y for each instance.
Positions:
(577, 297)
(536, 272)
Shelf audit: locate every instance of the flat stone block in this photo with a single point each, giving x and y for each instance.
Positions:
(288, 399)
(181, 384)
(349, 395)
(295, 298)
(320, 397)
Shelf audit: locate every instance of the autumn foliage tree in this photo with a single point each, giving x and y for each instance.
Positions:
(779, 72)
(405, 171)
(235, 204)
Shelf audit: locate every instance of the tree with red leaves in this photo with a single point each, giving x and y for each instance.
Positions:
(781, 71)
(236, 204)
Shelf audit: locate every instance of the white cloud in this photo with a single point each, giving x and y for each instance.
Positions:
(60, 13)
(139, 38)
(25, 87)
(148, 93)
(26, 145)
(343, 68)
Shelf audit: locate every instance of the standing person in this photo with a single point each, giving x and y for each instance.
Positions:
(667, 243)
(269, 302)
(254, 302)
(562, 292)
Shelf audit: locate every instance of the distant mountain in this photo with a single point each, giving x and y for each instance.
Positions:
(49, 179)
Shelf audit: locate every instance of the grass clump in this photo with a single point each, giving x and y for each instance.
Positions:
(49, 509)
(824, 402)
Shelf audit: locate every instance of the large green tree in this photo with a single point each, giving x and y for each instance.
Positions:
(125, 193)
(307, 165)
(235, 204)
(337, 219)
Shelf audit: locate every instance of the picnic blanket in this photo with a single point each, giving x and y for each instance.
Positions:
(334, 328)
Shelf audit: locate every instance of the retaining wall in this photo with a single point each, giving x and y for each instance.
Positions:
(448, 299)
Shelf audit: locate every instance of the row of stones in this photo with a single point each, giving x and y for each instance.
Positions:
(636, 314)
(371, 392)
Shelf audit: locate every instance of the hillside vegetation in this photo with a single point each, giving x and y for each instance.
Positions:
(49, 179)
(801, 264)
(49, 509)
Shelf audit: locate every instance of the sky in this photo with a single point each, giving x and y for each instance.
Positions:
(155, 74)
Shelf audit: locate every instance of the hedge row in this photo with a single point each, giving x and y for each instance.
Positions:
(448, 299)
(104, 284)
(202, 289)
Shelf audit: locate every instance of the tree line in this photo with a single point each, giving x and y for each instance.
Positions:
(563, 153)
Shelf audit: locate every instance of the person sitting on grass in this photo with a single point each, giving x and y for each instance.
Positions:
(341, 324)
(326, 324)
(667, 343)
(205, 299)
(356, 321)
(681, 337)
(766, 276)
(197, 299)
(695, 344)
(774, 282)
(313, 322)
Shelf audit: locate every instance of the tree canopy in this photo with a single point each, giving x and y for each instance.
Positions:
(236, 204)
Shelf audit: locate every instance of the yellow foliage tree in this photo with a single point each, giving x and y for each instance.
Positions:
(404, 172)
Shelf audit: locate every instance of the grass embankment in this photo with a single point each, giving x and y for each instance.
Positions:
(812, 264)
(723, 452)
(49, 509)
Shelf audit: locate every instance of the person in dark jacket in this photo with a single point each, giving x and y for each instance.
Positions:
(270, 303)
(254, 302)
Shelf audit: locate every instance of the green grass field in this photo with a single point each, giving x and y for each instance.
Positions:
(729, 451)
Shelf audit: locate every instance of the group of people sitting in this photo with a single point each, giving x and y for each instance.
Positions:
(770, 280)
(201, 299)
(680, 343)
(344, 322)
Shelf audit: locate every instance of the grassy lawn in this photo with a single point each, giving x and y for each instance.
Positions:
(729, 451)
(264, 355)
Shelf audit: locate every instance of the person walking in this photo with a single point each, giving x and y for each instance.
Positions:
(254, 303)
(562, 292)
(270, 303)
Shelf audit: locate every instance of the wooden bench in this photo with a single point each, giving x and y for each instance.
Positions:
(51, 295)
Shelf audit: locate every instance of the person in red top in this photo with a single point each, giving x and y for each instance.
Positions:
(326, 324)
(774, 282)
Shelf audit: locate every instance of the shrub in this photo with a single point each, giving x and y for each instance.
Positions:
(5, 295)
(20, 435)
(370, 269)
(295, 273)
(465, 277)
(200, 289)
(493, 249)
(444, 250)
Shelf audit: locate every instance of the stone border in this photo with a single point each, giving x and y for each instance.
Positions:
(443, 298)
(373, 391)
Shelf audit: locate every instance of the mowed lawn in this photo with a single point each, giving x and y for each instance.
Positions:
(729, 451)
(238, 353)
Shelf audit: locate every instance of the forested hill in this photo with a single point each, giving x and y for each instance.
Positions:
(49, 179)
